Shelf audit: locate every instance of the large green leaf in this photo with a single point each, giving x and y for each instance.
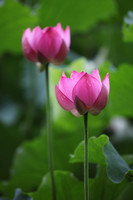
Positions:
(101, 151)
(116, 166)
(67, 187)
(102, 188)
(80, 15)
(14, 19)
(95, 151)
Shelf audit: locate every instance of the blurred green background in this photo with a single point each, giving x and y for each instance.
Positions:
(101, 37)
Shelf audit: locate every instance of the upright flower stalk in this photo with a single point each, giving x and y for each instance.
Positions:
(49, 134)
(81, 94)
(48, 45)
(86, 166)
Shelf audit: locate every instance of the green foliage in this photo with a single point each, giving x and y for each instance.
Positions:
(10, 138)
(128, 32)
(31, 160)
(95, 151)
(121, 89)
(128, 27)
(101, 151)
(116, 166)
(15, 18)
(67, 187)
(11, 65)
(129, 175)
(121, 80)
(102, 188)
(30, 164)
(23, 147)
(80, 16)
(106, 38)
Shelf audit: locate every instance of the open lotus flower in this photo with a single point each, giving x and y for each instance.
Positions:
(82, 93)
(48, 45)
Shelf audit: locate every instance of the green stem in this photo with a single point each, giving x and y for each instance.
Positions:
(86, 167)
(49, 134)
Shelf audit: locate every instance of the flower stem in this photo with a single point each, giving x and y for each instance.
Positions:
(86, 167)
(49, 134)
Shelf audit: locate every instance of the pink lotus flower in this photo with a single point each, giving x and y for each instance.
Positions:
(48, 45)
(82, 93)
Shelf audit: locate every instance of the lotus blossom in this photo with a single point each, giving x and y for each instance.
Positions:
(48, 45)
(82, 93)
